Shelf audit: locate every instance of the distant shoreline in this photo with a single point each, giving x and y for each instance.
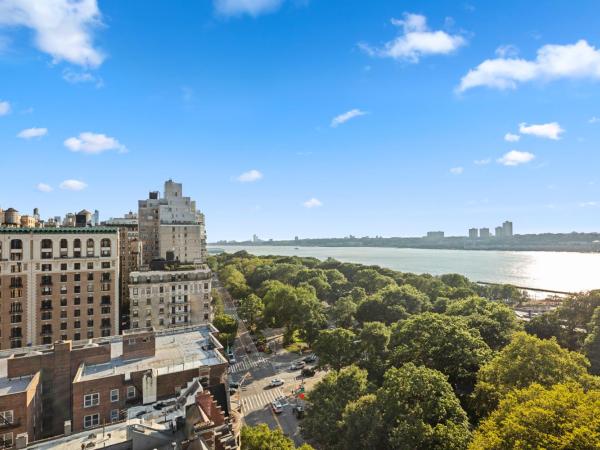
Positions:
(588, 244)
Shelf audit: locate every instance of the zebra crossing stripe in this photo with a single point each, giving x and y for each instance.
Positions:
(260, 400)
(246, 364)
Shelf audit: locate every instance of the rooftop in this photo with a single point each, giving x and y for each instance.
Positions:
(176, 350)
(59, 230)
(14, 385)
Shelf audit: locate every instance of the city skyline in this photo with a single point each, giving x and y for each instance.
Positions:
(495, 118)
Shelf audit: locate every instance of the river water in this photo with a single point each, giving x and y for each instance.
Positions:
(559, 271)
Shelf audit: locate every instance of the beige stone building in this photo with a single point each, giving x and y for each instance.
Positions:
(58, 284)
(168, 298)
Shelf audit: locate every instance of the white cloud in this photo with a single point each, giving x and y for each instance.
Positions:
(515, 158)
(510, 137)
(30, 133)
(93, 143)
(550, 130)
(345, 117)
(416, 41)
(573, 61)
(63, 28)
(251, 7)
(312, 203)
(73, 185)
(75, 77)
(4, 108)
(594, 119)
(250, 176)
(43, 187)
(507, 51)
(588, 204)
(482, 162)
(457, 170)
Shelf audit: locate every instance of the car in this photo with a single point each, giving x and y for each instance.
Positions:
(232, 360)
(276, 382)
(277, 407)
(232, 391)
(298, 365)
(298, 411)
(308, 372)
(234, 384)
(310, 358)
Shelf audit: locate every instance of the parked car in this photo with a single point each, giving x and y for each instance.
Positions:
(310, 358)
(232, 360)
(232, 390)
(276, 382)
(308, 372)
(298, 365)
(298, 411)
(234, 384)
(277, 407)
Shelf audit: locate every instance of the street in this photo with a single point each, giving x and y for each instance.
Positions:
(255, 370)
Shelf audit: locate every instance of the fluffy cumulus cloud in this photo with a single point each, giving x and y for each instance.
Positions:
(250, 176)
(457, 170)
(73, 185)
(553, 62)
(62, 28)
(94, 143)
(251, 7)
(4, 108)
(515, 158)
(345, 117)
(43, 187)
(415, 41)
(510, 137)
(30, 133)
(312, 203)
(550, 130)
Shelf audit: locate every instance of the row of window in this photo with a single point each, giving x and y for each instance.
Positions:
(93, 399)
(47, 267)
(163, 289)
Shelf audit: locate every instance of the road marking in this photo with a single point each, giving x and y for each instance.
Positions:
(246, 364)
(260, 400)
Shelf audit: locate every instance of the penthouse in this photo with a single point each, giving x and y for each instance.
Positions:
(70, 387)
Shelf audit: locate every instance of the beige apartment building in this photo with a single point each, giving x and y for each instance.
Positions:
(169, 298)
(58, 284)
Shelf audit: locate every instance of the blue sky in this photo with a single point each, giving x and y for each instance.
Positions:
(306, 117)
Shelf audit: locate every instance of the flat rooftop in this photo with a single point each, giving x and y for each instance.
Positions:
(176, 350)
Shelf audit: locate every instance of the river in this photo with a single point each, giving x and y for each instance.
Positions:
(558, 271)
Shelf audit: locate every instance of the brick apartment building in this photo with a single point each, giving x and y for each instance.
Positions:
(67, 388)
(58, 284)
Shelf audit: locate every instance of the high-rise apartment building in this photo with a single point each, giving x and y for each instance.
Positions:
(473, 233)
(58, 284)
(499, 232)
(170, 227)
(484, 233)
(507, 229)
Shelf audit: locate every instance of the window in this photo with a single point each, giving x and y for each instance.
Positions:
(90, 334)
(77, 266)
(90, 266)
(77, 324)
(63, 267)
(77, 312)
(105, 265)
(90, 300)
(46, 267)
(7, 416)
(130, 391)
(77, 336)
(114, 415)
(114, 395)
(91, 421)
(6, 440)
(63, 278)
(91, 400)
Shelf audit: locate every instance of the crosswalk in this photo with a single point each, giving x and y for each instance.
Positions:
(247, 364)
(261, 400)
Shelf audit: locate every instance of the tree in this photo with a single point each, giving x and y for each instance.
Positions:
(326, 403)
(526, 360)
(374, 340)
(234, 281)
(260, 437)
(251, 309)
(443, 343)
(373, 310)
(496, 322)
(591, 345)
(336, 348)
(420, 411)
(410, 299)
(561, 417)
(546, 326)
(372, 281)
(343, 312)
(227, 326)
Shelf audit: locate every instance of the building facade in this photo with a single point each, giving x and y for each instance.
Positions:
(170, 227)
(169, 298)
(58, 284)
